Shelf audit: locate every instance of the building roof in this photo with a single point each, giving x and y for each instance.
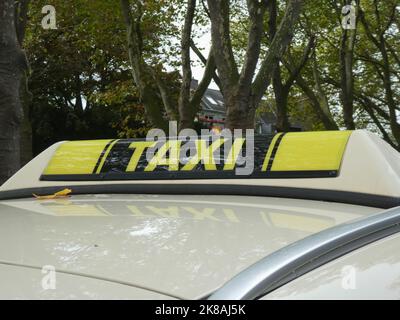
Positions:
(212, 100)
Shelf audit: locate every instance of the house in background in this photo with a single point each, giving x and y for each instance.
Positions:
(212, 114)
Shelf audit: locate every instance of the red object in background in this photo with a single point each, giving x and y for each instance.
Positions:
(211, 120)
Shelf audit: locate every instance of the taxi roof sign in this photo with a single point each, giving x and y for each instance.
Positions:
(286, 155)
(345, 166)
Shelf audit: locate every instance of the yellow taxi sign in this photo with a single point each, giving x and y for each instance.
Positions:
(285, 155)
(302, 151)
(77, 157)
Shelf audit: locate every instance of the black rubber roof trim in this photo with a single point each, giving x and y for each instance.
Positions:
(354, 198)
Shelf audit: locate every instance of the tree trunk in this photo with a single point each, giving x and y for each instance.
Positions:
(243, 91)
(282, 119)
(26, 127)
(141, 72)
(240, 111)
(281, 96)
(21, 18)
(347, 82)
(12, 66)
(281, 101)
(186, 114)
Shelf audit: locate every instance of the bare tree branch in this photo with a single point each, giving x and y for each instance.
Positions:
(205, 82)
(206, 9)
(318, 100)
(380, 44)
(303, 61)
(204, 61)
(170, 107)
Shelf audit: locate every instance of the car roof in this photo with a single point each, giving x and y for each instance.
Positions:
(183, 246)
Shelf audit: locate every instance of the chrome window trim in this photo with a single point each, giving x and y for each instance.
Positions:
(294, 260)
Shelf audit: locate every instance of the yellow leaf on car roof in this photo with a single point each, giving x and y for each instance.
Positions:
(59, 194)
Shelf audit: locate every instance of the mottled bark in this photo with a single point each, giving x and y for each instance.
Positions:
(346, 54)
(242, 94)
(26, 127)
(141, 72)
(21, 17)
(280, 87)
(281, 95)
(221, 40)
(256, 14)
(281, 101)
(190, 98)
(186, 114)
(277, 48)
(12, 66)
(153, 90)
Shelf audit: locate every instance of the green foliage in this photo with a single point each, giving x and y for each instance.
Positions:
(81, 80)
(87, 57)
